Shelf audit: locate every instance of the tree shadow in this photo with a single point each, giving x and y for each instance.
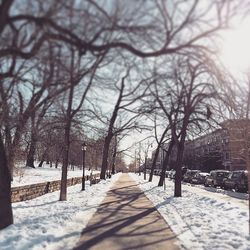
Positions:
(128, 219)
(36, 205)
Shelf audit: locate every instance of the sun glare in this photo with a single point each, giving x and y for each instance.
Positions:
(236, 48)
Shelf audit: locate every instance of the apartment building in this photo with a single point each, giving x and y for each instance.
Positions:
(161, 157)
(225, 148)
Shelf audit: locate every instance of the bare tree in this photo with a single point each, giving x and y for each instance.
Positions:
(17, 109)
(189, 89)
(125, 113)
(76, 74)
(35, 126)
(162, 32)
(26, 29)
(158, 148)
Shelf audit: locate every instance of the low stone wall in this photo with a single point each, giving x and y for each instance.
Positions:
(32, 191)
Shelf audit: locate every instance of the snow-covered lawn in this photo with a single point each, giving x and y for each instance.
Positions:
(46, 223)
(201, 219)
(26, 175)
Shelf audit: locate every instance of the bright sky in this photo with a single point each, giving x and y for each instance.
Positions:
(235, 55)
(236, 47)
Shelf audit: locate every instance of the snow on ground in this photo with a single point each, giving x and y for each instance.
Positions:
(46, 223)
(201, 219)
(239, 199)
(26, 175)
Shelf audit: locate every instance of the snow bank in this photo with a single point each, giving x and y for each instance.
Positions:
(27, 176)
(201, 219)
(46, 223)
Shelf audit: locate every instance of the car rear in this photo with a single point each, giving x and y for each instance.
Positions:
(242, 182)
(219, 176)
(199, 178)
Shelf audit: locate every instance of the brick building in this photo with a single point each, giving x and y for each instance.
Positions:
(161, 157)
(224, 148)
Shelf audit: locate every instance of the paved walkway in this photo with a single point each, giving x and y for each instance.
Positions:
(126, 219)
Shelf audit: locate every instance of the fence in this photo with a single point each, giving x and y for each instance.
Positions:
(32, 191)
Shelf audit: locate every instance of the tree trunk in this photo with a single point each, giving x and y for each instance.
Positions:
(154, 163)
(63, 190)
(31, 155)
(44, 156)
(6, 216)
(56, 164)
(156, 155)
(105, 155)
(41, 163)
(165, 163)
(113, 162)
(11, 161)
(9, 150)
(66, 143)
(110, 134)
(179, 158)
(178, 174)
(113, 168)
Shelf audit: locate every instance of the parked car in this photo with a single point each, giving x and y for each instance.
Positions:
(157, 172)
(189, 175)
(236, 180)
(171, 174)
(199, 178)
(183, 172)
(215, 178)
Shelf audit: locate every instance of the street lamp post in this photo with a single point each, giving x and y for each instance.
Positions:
(84, 147)
(91, 176)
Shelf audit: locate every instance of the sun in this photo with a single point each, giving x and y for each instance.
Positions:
(235, 52)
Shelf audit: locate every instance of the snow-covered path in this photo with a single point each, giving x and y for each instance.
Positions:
(201, 219)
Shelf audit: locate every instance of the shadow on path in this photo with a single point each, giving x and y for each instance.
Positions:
(127, 220)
